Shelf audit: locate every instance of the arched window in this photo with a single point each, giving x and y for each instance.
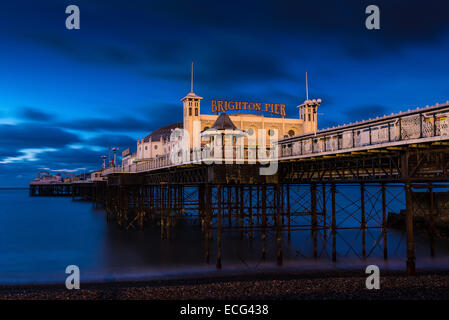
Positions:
(250, 131)
(291, 133)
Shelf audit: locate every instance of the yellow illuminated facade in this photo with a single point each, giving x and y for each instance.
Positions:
(158, 143)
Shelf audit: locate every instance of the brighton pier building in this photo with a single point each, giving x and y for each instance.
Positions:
(245, 117)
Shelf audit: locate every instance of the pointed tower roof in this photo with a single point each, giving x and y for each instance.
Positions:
(223, 122)
(191, 95)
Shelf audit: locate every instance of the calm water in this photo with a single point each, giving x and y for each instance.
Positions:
(39, 237)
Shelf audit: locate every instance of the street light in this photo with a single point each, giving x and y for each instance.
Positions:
(115, 156)
(104, 161)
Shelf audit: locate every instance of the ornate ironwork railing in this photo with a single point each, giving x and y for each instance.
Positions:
(427, 124)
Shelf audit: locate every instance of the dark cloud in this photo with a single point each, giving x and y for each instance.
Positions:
(106, 141)
(100, 124)
(147, 119)
(169, 31)
(32, 114)
(34, 136)
(85, 51)
(224, 65)
(71, 158)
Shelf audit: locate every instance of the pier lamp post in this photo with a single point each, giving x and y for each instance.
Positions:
(115, 156)
(104, 161)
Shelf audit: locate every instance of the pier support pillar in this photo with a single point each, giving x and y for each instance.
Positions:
(314, 219)
(219, 205)
(264, 221)
(411, 259)
(208, 220)
(431, 221)
(278, 225)
(334, 225)
(363, 219)
(384, 221)
(289, 234)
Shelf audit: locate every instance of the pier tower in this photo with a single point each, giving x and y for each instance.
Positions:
(191, 109)
(308, 112)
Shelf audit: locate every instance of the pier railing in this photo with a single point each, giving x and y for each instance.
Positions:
(205, 155)
(111, 170)
(416, 126)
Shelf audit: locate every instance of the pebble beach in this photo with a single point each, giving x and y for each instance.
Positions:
(301, 286)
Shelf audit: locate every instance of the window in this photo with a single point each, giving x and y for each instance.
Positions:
(271, 132)
(309, 116)
(250, 131)
(196, 111)
(155, 147)
(146, 147)
(291, 133)
(190, 111)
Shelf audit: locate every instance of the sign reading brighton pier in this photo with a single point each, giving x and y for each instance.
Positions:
(222, 106)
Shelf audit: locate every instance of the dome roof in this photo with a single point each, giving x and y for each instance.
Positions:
(163, 132)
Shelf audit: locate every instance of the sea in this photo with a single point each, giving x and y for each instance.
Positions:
(41, 236)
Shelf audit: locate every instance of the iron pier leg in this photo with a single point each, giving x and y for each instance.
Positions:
(411, 259)
(432, 221)
(278, 225)
(219, 205)
(384, 221)
(314, 219)
(264, 220)
(334, 226)
(363, 219)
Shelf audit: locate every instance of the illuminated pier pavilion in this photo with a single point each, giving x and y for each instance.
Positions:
(328, 184)
(246, 116)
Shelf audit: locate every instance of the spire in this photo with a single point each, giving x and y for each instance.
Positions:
(307, 88)
(191, 94)
(191, 79)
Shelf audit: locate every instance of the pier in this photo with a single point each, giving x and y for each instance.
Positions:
(390, 159)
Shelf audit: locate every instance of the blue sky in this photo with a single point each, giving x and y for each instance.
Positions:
(68, 95)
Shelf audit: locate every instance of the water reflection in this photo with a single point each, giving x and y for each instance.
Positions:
(39, 237)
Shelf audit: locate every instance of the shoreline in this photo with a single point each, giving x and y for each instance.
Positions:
(311, 285)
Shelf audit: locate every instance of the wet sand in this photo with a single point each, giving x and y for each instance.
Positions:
(342, 285)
